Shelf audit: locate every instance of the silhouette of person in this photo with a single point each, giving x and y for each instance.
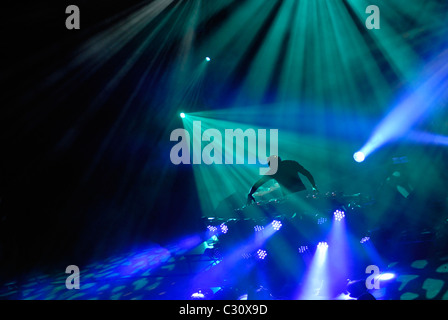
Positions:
(286, 175)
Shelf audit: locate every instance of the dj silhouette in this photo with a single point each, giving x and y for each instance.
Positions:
(286, 175)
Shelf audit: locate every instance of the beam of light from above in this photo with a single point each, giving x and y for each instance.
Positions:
(104, 45)
(413, 107)
(95, 53)
(371, 253)
(427, 138)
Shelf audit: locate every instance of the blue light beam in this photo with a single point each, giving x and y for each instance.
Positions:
(422, 98)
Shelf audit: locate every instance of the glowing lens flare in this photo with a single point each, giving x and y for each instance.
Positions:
(359, 156)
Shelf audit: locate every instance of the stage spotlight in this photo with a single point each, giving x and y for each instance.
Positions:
(224, 228)
(182, 115)
(261, 254)
(212, 229)
(208, 59)
(242, 297)
(316, 281)
(258, 228)
(202, 294)
(364, 240)
(198, 295)
(339, 215)
(322, 245)
(386, 276)
(359, 156)
(321, 220)
(276, 224)
(303, 249)
(246, 255)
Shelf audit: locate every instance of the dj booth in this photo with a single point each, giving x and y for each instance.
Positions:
(305, 219)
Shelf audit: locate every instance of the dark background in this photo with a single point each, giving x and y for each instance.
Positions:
(59, 206)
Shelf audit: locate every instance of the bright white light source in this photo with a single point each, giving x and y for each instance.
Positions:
(386, 276)
(359, 156)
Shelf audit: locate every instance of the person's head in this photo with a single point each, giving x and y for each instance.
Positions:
(273, 159)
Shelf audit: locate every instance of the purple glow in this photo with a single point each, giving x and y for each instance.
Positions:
(316, 282)
(340, 253)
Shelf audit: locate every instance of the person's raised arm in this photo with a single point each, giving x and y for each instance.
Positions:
(254, 188)
(309, 176)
